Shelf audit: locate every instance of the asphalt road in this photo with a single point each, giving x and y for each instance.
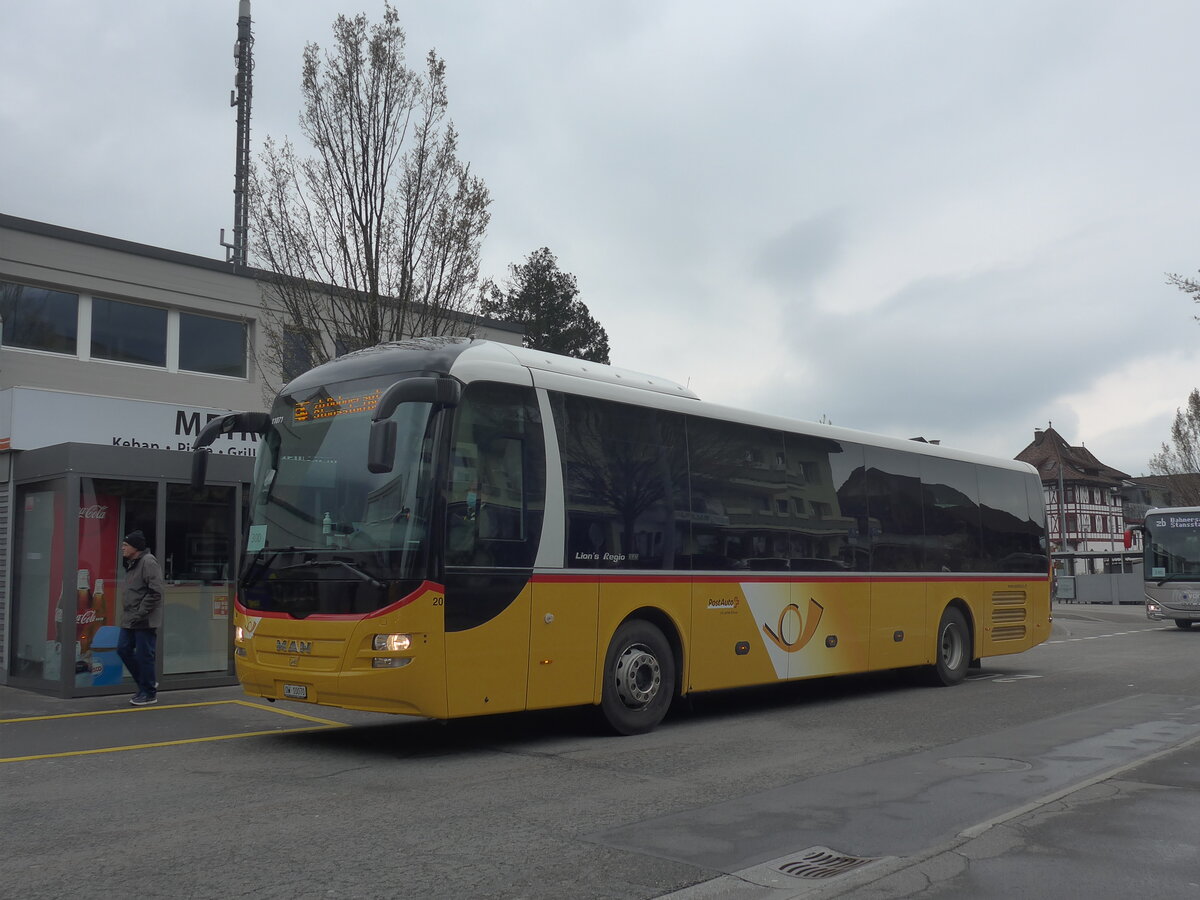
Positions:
(1070, 770)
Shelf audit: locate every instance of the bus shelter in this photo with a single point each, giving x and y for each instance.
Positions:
(67, 508)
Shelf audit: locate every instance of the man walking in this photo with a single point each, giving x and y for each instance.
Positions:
(141, 617)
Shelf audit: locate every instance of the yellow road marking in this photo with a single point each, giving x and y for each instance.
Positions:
(286, 712)
(320, 725)
(109, 712)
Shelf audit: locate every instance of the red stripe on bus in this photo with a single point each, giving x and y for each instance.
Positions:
(544, 578)
(425, 587)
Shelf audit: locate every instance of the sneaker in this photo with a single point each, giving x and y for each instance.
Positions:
(144, 699)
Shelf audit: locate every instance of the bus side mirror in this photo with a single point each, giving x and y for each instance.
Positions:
(199, 468)
(381, 444)
(230, 423)
(1130, 532)
(381, 447)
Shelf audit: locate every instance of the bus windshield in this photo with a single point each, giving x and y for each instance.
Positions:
(319, 516)
(1173, 546)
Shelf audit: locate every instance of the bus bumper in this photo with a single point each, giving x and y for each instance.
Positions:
(1158, 612)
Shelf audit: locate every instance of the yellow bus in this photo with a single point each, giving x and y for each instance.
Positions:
(455, 527)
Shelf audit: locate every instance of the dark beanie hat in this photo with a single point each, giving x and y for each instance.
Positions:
(136, 540)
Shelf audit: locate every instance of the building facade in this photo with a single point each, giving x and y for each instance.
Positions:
(1084, 510)
(113, 356)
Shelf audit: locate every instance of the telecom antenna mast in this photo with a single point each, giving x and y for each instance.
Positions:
(243, 52)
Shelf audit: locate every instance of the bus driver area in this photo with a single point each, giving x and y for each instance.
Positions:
(50, 728)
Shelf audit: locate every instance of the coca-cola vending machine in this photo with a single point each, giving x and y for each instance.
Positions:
(97, 591)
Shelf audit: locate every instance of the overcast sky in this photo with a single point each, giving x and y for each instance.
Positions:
(939, 218)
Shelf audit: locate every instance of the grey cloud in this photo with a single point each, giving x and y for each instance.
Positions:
(794, 259)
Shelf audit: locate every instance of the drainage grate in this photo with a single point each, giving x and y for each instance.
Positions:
(821, 862)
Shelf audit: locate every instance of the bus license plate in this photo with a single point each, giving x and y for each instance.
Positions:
(295, 691)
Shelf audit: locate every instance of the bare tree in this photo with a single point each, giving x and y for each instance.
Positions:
(1179, 461)
(1187, 285)
(376, 236)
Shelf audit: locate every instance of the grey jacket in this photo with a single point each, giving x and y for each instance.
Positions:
(142, 594)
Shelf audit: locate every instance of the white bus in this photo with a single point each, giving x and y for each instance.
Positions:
(1172, 564)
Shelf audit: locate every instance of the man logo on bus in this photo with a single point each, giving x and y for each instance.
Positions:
(794, 631)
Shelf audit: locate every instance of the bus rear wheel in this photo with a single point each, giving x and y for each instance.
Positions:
(639, 678)
(953, 651)
(1183, 623)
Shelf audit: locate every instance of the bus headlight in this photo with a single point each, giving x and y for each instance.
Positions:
(393, 642)
(239, 633)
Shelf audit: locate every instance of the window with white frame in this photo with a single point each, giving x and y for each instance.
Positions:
(211, 345)
(37, 318)
(129, 332)
(123, 331)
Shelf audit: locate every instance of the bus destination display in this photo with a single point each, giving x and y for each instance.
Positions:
(330, 407)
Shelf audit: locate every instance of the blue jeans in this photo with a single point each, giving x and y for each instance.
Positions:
(137, 648)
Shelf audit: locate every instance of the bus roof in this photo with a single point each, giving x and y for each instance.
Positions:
(470, 360)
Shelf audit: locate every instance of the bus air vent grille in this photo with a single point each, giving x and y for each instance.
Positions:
(1007, 616)
(821, 862)
(1008, 598)
(1008, 633)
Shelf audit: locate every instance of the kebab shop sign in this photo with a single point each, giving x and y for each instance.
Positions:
(42, 418)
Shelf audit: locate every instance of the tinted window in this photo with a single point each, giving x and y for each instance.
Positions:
(215, 346)
(624, 470)
(1012, 536)
(826, 536)
(742, 508)
(39, 318)
(950, 507)
(497, 478)
(128, 332)
(892, 482)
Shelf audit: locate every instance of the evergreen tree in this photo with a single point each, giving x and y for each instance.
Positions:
(546, 301)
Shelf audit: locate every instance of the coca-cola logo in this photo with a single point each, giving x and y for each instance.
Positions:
(95, 511)
(87, 617)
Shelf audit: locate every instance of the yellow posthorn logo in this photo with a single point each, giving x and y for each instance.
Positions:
(790, 622)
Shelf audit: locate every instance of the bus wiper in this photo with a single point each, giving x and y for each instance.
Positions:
(251, 575)
(1179, 576)
(328, 563)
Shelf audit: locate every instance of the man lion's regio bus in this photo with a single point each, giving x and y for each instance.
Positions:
(452, 527)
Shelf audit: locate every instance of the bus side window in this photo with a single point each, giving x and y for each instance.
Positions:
(501, 490)
(495, 497)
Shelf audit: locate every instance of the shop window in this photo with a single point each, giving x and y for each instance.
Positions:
(129, 332)
(211, 345)
(198, 565)
(108, 509)
(39, 633)
(39, 318)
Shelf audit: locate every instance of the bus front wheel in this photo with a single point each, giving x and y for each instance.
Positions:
(639, 678)
(953, 650)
